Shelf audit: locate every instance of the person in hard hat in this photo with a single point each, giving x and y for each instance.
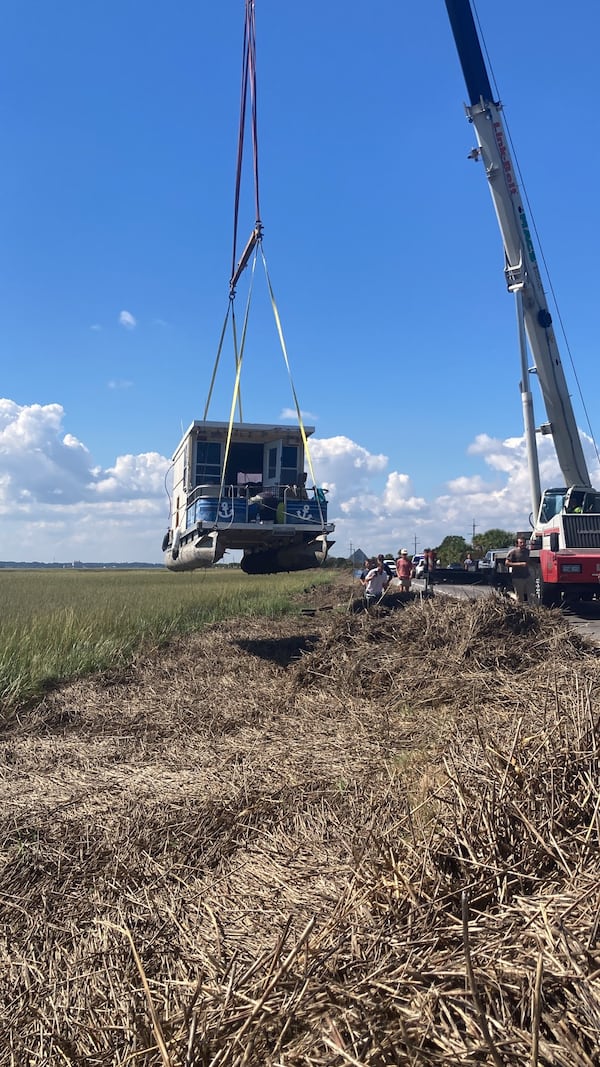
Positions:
(404, 570)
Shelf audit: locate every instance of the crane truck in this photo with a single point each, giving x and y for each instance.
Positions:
(565, 540)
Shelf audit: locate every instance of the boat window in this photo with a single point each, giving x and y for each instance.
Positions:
(208, 463)
(272, 464)
(289, 465)
(245, 463)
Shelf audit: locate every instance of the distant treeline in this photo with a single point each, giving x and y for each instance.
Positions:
(77, 566)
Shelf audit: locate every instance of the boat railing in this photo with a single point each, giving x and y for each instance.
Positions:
(299, 506)
(282, 504)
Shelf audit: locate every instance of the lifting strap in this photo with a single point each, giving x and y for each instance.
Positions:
(236, 388)
(293, 388)
(253, 244)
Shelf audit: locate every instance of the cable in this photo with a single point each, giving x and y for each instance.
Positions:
(254, 243)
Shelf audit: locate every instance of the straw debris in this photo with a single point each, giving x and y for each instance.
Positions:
(334, 839)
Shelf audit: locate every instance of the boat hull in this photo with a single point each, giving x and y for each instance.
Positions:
(269, 554)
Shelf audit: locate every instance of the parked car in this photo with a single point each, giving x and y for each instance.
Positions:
(389, 565)
(490, 560)
(455, 567)
(418, 566)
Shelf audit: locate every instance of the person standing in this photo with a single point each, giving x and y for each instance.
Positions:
(387, 568)
(404, 570)
(366, 567)
(469, 563)
(517, 562)
(430, 557)
(299, 489)
(375, 583)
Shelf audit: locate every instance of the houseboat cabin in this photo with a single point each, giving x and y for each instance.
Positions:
(244, 488)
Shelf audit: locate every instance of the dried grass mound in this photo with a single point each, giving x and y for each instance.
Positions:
(446, 654)
(329, 840)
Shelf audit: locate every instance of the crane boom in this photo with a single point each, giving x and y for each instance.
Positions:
(521, 266)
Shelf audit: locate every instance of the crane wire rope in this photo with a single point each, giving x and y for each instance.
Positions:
(531, 216)
(248, 77)
(253, 244)
(248, 80)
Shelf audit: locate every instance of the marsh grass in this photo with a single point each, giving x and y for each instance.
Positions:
(56, 625)
(316, 840)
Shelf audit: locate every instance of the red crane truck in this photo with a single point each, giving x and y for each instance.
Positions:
(565, 541)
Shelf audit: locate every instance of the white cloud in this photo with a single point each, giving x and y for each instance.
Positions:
(398, 495)
(342, 462)
(465, 486)
(56, 503)
(290, 413)
(133, 477)
(127, 320)
(119, 383)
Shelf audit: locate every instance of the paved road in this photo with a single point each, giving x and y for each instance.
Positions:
(586, 620)
(460, 592)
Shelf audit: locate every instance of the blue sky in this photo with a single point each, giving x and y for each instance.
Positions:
(119, 124)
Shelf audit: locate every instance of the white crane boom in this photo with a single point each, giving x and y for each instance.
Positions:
(521, 266)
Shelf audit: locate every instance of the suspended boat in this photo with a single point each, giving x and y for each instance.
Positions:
(243, 486)
(251, 496)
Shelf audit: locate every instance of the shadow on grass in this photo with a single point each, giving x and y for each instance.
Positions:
(282, 650)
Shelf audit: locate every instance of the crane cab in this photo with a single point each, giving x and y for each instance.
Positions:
(565, 545)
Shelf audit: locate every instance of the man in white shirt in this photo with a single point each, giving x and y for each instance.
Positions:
(375, 583)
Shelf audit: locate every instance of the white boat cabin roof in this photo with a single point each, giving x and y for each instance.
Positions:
(244, 431)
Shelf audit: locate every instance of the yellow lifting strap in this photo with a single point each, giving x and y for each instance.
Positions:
(289, 370)
(236, 387)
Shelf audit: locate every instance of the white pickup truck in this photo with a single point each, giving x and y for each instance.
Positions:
(492, 558)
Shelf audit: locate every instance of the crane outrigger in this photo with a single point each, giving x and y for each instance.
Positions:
(238, 485)
(565, 542)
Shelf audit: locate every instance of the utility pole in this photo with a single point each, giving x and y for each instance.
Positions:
(473, 534)
(415, 551)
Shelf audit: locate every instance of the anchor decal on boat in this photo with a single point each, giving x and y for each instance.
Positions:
(225, 510)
